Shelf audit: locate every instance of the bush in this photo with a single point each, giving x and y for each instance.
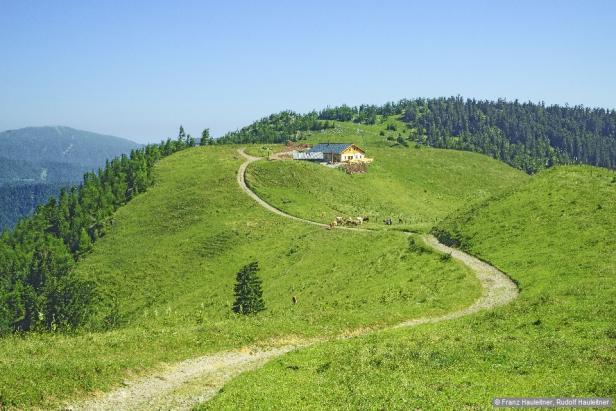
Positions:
(400, 140)
(446, 237)
(416, 247)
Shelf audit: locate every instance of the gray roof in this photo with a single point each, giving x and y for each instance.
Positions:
(335, 148)
(317, 155)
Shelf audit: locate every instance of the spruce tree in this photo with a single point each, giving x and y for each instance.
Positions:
(85, 243)
(190, 141)
(205, 137)
(248, 292)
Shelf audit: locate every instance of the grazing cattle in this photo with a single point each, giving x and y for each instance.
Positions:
(387, 222)
(366, 218)
(351, 221)
(294, 299)
(359, 220)
(339, 220)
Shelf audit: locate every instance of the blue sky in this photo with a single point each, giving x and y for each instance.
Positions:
(139, 69)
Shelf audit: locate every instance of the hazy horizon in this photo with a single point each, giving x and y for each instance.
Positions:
(140, 70)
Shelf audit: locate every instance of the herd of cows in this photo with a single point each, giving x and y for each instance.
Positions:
(342, 221)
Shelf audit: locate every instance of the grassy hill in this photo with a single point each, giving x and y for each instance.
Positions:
(419, 186)
(554, 236)
(166, 270)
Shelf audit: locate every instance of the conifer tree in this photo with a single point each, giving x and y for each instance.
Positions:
(190, 141)
(85, 243)
(205, 137)
(248, 292)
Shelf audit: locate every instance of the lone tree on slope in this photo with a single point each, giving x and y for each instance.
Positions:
(248, 292)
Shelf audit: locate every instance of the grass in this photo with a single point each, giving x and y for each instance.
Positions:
(364, 135)
(414, 187)
(554, 237)
(167, 269)
(263, 150)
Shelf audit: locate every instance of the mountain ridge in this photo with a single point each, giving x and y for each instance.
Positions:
(69, 140)
(36, 161)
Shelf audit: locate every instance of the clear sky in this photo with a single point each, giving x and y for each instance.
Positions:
(139, 69)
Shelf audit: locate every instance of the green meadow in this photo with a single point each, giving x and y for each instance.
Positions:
(554, 236)
(414, 187)
(167, 267)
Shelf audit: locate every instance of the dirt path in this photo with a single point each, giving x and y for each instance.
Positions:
(185, 384)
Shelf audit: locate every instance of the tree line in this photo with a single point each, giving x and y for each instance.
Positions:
(38, 288)
(528, 136)
(276, 128)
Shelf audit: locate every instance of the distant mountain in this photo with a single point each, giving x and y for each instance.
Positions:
(26, 172)
(61, 145)
(36, 161)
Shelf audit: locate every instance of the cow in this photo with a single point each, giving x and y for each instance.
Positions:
(351, 221)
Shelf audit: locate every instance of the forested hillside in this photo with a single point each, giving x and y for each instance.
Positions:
(38, 290)
(18, 172)
(528, 136)
(277, 128)
(36, 161)
(19, 200)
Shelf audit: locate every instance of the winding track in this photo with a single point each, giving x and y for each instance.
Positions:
(193, 381)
